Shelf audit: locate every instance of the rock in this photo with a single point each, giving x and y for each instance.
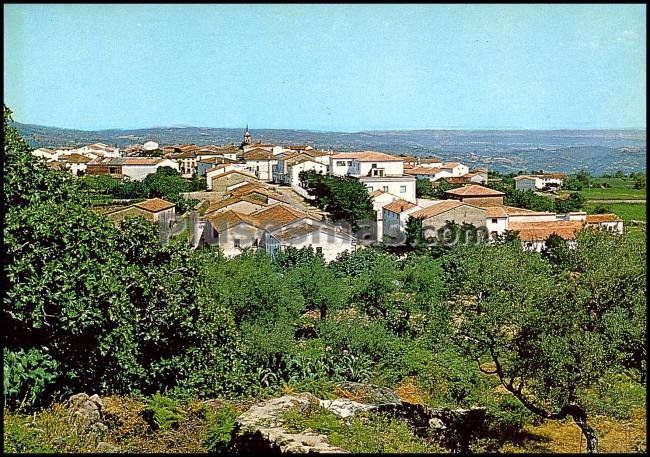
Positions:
(87, 411)
(345, 408)
(107, 447)
(260, 429)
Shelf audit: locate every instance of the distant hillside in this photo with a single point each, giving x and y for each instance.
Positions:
(598, 151)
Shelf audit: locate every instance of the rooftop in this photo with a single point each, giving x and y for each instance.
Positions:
(540, 231)
(596, 218)
(155, 204)
(439, 208)
(474, 190)
(399, 206)
(368, 156)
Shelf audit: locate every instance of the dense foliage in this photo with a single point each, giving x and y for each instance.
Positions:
(166, 183)
(344, 198)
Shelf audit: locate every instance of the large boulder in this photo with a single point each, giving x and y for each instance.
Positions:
(86, 411)
(260, 429)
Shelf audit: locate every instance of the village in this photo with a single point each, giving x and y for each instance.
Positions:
(254, 198)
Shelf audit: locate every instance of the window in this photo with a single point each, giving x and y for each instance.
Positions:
(494, 221)
(384, 188)
(340, 163)
(237, 243)
(349, 163)
(319, 250)
(402, 189)
(113, 170)
(369, 188)
(374, 165)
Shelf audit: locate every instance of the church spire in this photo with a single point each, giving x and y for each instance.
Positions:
(247, 138)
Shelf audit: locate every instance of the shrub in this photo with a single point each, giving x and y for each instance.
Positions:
(221, 424)
(26, 376)
(164, 412)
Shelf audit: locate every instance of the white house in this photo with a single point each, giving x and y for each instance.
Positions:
(288, 169)
(395, 217)
(365, 164)
(380, 199)
(323, 238)
(536, 182)
(400, 186)
(135, 168)
(260, 162)
(76, 163)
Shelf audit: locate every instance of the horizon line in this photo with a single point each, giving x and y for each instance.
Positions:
(454, 128)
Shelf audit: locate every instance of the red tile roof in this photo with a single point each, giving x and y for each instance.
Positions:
(399, 206)
(597, 218)
(368, 156)
(439, 208)
(155, 205)
(474, 190)
(540, 231)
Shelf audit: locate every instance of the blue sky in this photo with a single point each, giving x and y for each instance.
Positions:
(327, 67)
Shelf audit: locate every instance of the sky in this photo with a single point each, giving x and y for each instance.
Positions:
(326, 67)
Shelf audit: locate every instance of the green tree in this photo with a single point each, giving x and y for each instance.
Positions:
(548, 336)
(319, 287)
(343, 197)
(424, 189)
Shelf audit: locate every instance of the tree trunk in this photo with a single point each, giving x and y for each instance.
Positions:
(588, 432)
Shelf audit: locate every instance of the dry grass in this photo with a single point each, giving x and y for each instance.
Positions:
(565, 437)
(409, 392)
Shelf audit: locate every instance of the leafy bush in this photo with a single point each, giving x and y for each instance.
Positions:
(27, 375)
(220, 426)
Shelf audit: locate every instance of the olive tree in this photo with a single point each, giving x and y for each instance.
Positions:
(548, 335)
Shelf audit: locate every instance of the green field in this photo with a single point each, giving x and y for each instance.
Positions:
(619, 189)
(627, 211)
(613, 193)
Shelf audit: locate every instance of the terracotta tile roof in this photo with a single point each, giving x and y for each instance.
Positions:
(300, 230)
(399, 206)
(315, 153)
(258, 154)
(258, 188)
(217, 160)
(300, 158)
(439, 208)
(430, 171)
(474, 190)
(228, 219)
(430, 160)
(155, 204)
(136, 161)
(75, 158)
(217, 167)
(277, 215)
(597, 218)
(248, 188)
(216, 206)
(450, 165)
(181, 155)
(505, 211)
(457, 179)
(367, 156)
(239, 172)
(540, 231)
(376, 193)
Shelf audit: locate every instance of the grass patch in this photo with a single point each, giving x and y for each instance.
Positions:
(363, 433)
(613, 193)
(627, 211)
